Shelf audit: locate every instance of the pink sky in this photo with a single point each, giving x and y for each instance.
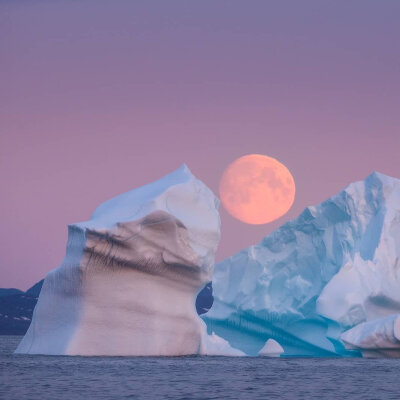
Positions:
(99, 97)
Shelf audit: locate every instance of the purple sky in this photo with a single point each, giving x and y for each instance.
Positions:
(99, 97)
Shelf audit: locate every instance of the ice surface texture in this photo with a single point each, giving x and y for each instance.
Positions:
(379, 337)
(334, 267)
(271, 349)
(131, 274)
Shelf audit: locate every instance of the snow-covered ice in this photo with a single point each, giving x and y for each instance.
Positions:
(213, 345)
(381, 335)
(131, 274)
(334, 267)
(271, 349)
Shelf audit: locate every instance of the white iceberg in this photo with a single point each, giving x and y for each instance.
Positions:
(335, 266)
(131, 274)
(271, 349)
(213, 345)
(363, 290)
(378, 337)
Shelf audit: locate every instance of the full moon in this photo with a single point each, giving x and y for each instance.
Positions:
(257, 189)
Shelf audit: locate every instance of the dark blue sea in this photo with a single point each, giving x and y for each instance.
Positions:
(51, 377)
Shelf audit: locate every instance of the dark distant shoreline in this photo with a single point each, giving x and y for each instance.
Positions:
(16, 307)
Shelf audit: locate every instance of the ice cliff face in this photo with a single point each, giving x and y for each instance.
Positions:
(334, 267)
(379, 337)
(131, 274)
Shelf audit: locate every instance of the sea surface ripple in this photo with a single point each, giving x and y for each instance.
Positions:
(64, 377)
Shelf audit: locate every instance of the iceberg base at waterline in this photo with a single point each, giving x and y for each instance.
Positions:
(271, 349)
(376, 338)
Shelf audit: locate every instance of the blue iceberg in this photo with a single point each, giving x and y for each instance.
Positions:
(334, 267)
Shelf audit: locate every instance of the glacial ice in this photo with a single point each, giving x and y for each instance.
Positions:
(271, 349)
(213, 345)
(324, 284)
(334, 267)
(379, 337)
(131, 274)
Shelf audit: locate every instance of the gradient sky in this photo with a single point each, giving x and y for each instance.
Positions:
(99, 97)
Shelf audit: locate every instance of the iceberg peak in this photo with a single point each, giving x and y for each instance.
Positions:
(376, 175)
(185, 169)
(130, 203)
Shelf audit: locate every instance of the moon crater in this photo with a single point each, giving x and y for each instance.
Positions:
(257, 189)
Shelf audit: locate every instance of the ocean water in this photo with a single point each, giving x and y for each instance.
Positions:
(55, 377)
